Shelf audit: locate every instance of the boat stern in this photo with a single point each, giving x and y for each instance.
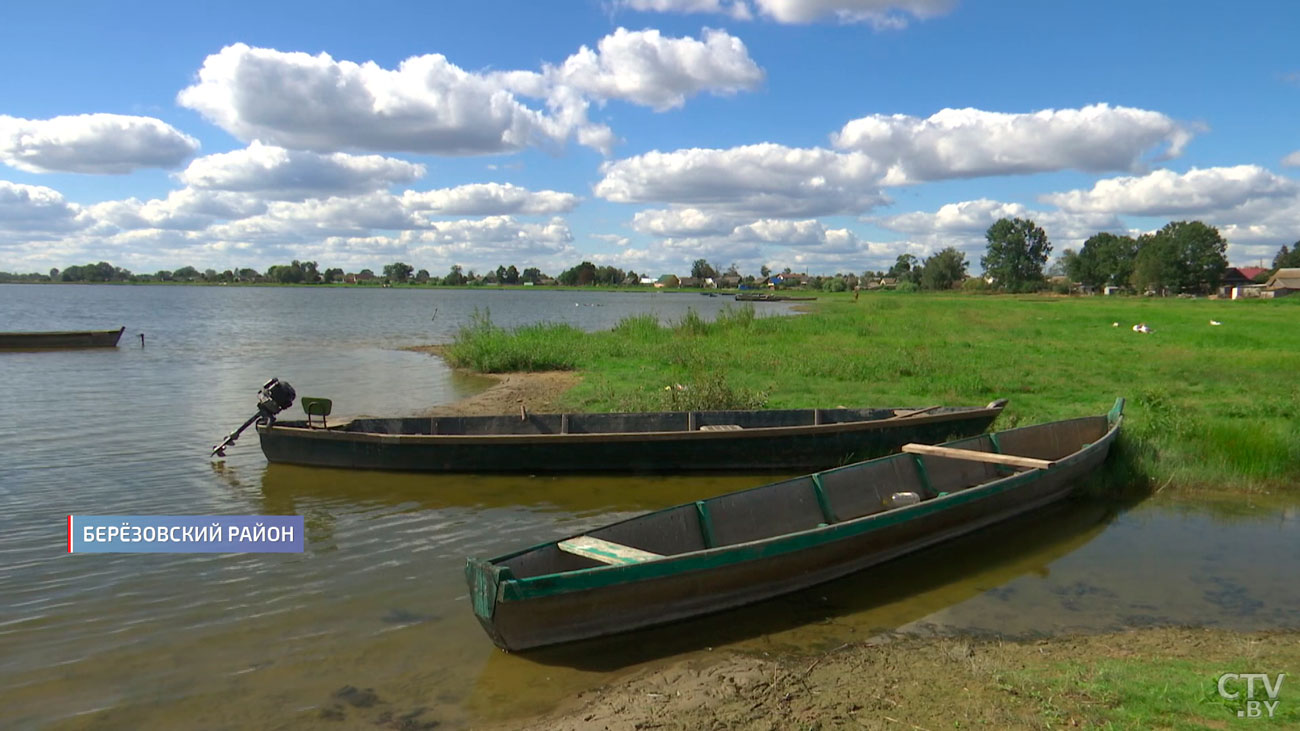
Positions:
(484, 579)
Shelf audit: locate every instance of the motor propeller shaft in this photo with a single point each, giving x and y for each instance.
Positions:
(275, 396)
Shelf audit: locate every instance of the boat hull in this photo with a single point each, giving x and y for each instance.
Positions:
(577, 605)
(60, 340)
(796, 448)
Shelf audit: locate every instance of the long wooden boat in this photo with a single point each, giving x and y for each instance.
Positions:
(69, 339)
(746, 297)
(697, 441)
(746, 546)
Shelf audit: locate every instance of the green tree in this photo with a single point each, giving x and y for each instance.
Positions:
(905, 269)
(609, 276)
(532, 274)
(398, 272)
(702, 269)
(1017, 251)
(333, 275)
(456, 277)
(1285, 259)
(1184, 256)
(512, 275)
(943, 270)
(581, 275)
(1105, 260)
(186, 274)
(422, 276)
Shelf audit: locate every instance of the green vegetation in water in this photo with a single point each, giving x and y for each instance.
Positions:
(1208, 405)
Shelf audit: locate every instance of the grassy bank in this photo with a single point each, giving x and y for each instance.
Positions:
(1209, 406)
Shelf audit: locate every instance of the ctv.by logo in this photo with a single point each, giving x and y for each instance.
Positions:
(1249, 707)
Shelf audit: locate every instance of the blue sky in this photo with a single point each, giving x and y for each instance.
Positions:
(823, 135)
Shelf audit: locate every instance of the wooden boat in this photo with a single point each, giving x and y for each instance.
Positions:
(746, 546)
(70, 339)
(746, 297)
(763, 440)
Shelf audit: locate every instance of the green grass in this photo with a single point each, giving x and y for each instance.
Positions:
(1209, 406)
(1141, 693)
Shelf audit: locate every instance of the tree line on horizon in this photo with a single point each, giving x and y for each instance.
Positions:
(1182, 257)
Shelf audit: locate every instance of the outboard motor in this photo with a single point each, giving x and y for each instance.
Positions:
(274, 397)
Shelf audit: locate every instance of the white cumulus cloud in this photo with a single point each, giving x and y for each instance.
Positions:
(92, 143)
(685, 221)
(737, 9)
(880, 13)
(964, 143)
(483, 199)
(281, 174)
(614, 239)
(1164, 192)
(427, 104)
(764, 180)
(32, 212)
(187, 209)
(646, 68)
(430, 105)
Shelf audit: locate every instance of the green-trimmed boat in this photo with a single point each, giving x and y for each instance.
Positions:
(746, 546)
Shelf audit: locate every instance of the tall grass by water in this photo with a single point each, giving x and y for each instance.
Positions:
(1209, 405)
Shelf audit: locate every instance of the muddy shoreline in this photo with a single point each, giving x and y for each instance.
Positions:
(1134, 678)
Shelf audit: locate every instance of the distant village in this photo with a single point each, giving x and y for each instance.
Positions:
(1181, 259)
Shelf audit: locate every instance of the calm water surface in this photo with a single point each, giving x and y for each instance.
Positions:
(377, 600)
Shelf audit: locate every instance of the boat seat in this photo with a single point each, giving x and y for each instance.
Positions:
(615, 554)
(721, 427)
(1010, 460)
(317, 407)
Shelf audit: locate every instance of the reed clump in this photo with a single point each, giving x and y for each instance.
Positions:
(484, 346)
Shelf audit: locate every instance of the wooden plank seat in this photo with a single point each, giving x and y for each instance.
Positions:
(721, 427)
(977, 456)
(615, 554)
(903, 413)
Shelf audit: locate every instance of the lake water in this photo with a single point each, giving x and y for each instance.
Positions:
(377, 601)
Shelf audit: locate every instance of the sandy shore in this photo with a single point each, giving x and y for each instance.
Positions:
(540, 392)
(908, 682)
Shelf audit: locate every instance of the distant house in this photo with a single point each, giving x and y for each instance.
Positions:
(790, 280)
(690, 282)
(1239, 282)
(729, 281)
(547, 282)
(1282, 283)
(649, 281)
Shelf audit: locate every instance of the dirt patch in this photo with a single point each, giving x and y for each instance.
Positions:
(1162, 676)
(540, 392)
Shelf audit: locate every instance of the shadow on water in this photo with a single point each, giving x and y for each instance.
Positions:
(289, 489)
(874, 600)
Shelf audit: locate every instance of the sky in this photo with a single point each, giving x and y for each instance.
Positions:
(820, 135)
